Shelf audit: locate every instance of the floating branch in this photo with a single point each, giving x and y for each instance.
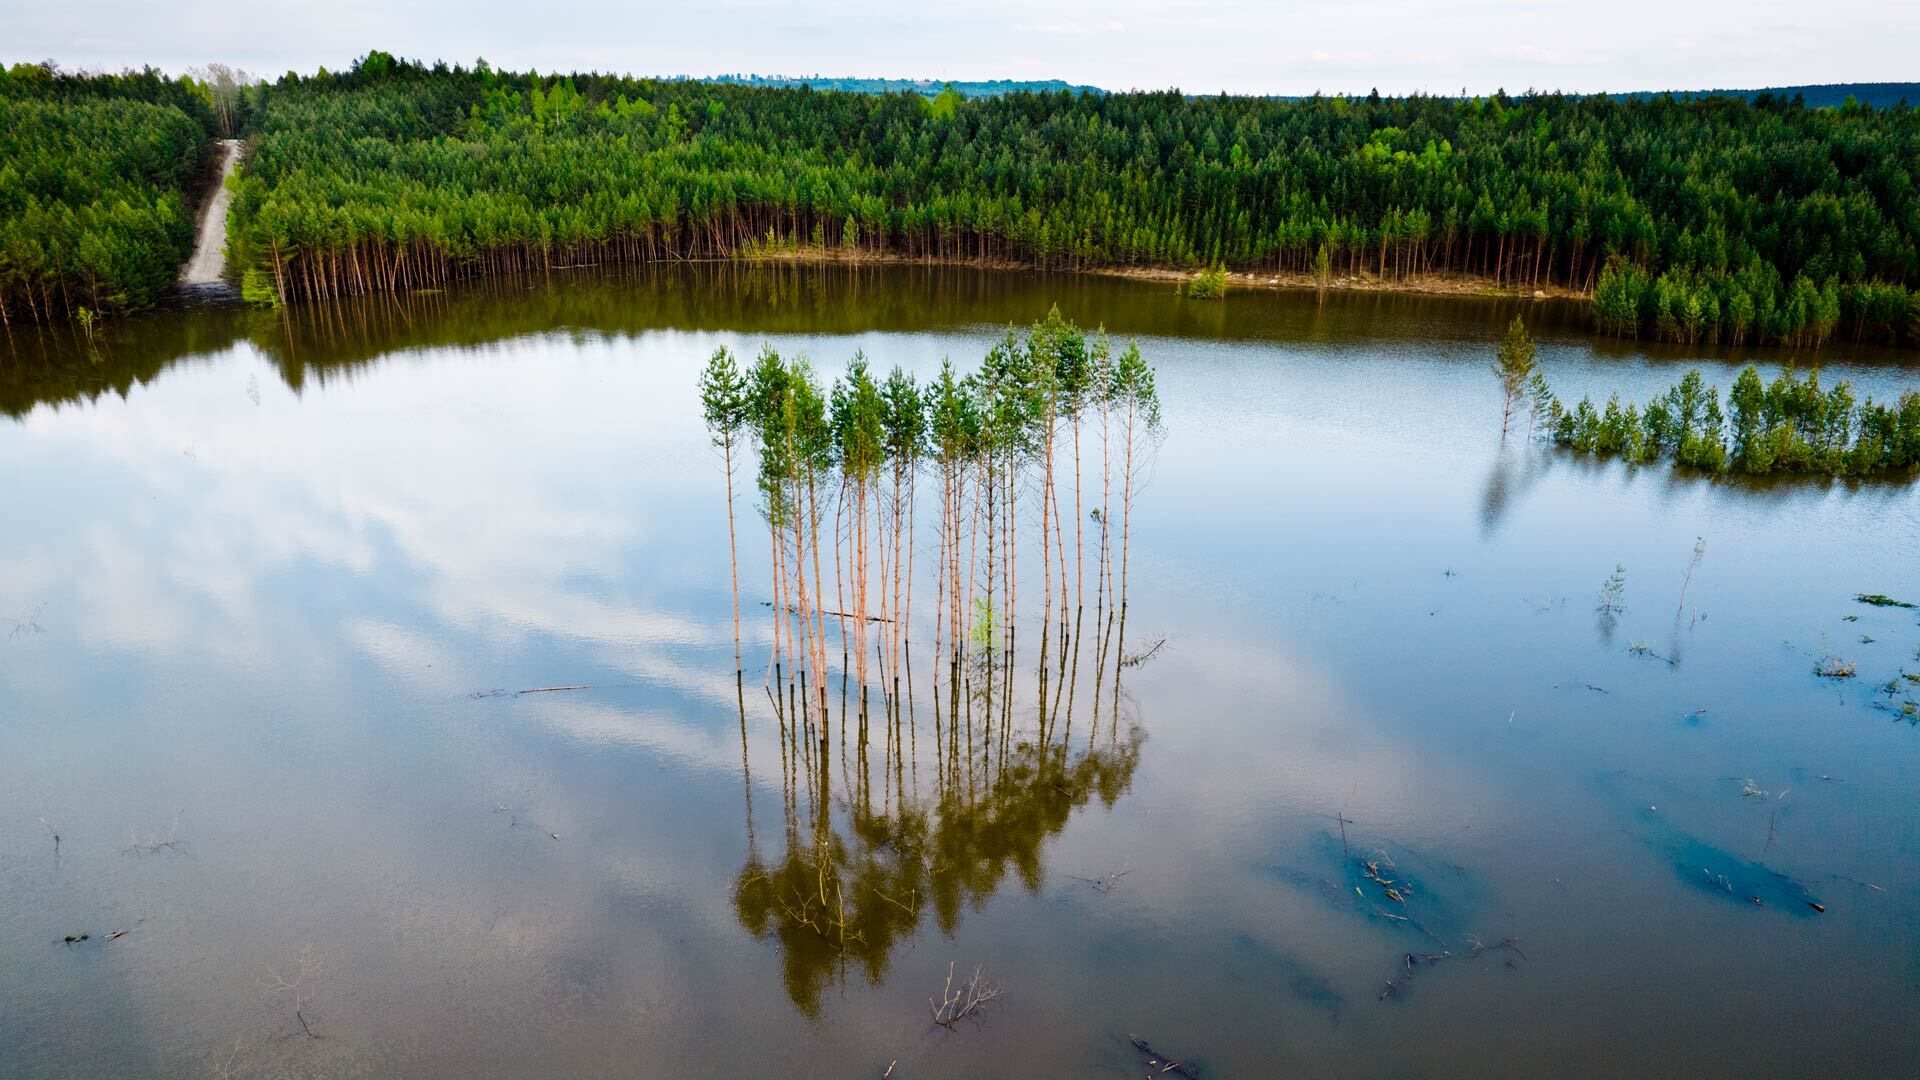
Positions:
(791, 610)
(478, 694)
(1160, 1063)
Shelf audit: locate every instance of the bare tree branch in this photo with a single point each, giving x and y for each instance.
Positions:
(972, 996)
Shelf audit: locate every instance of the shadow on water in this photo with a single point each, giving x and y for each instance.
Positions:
(1724, 875)
(1702, 866)
(1273, 968)
(1407, 891)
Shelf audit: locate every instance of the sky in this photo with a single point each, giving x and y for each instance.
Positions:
(1238, 46)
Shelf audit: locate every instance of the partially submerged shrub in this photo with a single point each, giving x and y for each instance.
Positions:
(1208, 284)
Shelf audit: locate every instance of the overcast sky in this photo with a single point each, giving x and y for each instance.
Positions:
(1241, 46)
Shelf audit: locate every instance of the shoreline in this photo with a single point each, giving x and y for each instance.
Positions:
(1427, 284)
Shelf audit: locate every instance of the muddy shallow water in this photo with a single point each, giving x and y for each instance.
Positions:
(270, 586)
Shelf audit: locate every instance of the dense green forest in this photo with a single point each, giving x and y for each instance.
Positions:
(94, 175)
(1697, 220)
(1702, 220)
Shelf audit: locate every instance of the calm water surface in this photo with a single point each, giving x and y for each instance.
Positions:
(260, 578)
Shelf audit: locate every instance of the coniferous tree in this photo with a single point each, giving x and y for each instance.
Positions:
(1513, 363)
(725, 405)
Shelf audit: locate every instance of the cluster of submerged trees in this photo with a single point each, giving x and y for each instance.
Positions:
(838, 471)
(1789, 426)
(1700, 219)
(842, 472)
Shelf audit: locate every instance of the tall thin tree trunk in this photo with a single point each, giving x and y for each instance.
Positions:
(733, 559)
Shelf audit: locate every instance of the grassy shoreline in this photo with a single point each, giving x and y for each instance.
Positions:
(1426, 284)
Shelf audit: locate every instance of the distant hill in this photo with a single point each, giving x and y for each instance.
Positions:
(929, 87)
(1884, 95)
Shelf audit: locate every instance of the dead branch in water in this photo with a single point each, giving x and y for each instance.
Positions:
(309, 965)
(28, 623)
(1103, 884)
(956, 1005)
(478, 694)
(1641, 648)
(226, 1065)
(1345, 821)
(1511, 944)
(1409, 962)
(1160, 1063)
(1142, 657)
(153, 847)
(791, 610)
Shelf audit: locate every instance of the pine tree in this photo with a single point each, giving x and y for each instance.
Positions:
(1514, 364)
(724, 402)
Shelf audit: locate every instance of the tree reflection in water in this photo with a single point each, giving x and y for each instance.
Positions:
(855, 880)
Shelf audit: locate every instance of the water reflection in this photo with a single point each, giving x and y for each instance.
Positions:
(55, 365)
(854, 881)
(281, 631)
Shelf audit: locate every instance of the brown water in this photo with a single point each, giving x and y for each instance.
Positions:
(257, 569)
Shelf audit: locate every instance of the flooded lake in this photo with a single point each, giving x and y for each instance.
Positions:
(271, 587)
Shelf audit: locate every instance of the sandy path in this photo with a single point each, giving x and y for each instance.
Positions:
(209, 251)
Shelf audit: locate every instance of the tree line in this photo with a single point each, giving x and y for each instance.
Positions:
(1709, 219)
